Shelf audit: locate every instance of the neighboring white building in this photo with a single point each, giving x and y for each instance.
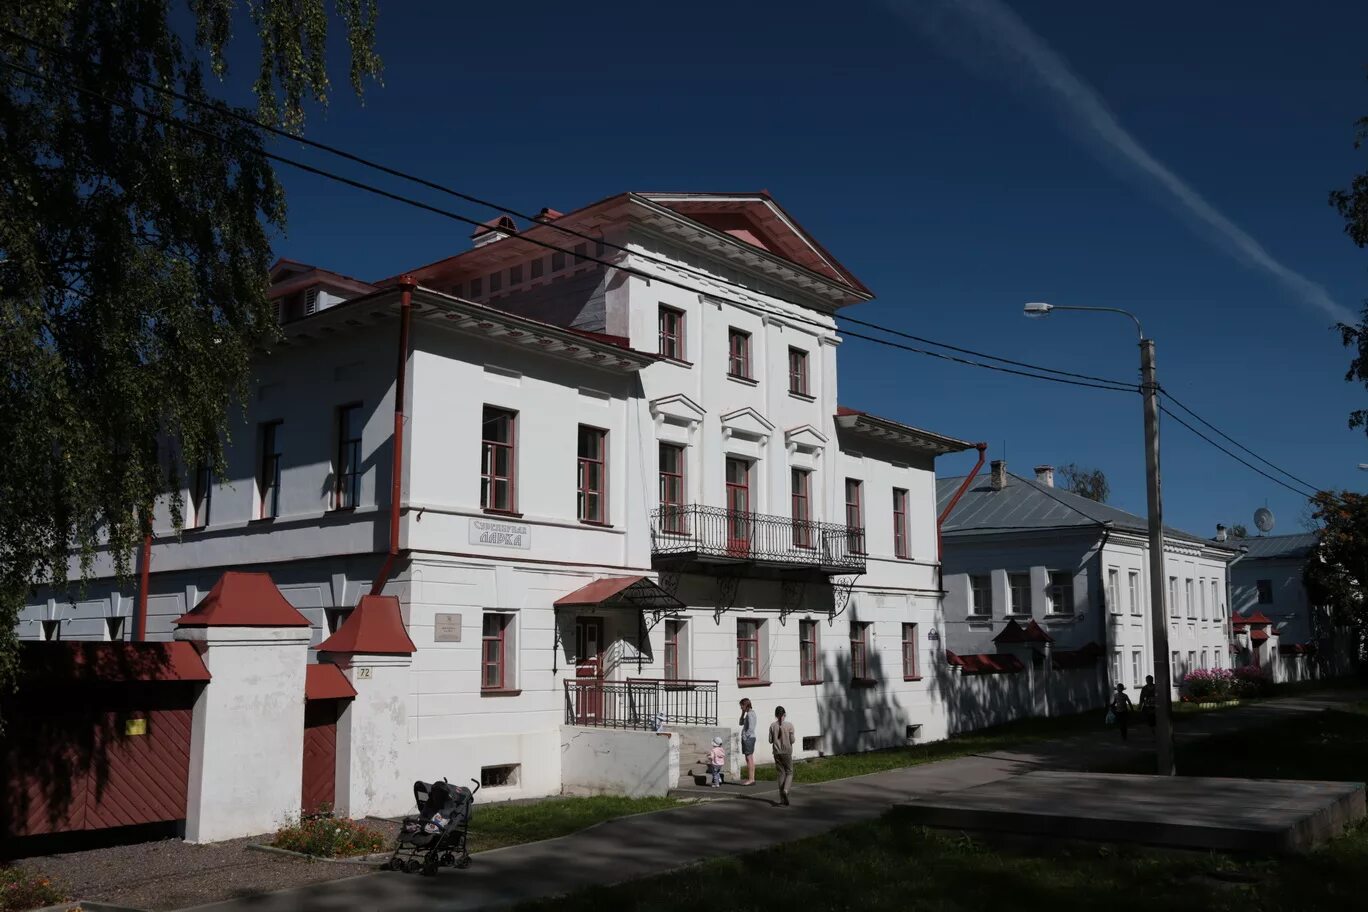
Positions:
(1267, 581)
(664, 510)
(1019, 549)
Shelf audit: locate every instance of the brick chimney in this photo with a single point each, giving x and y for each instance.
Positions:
(1045, 475)
(998, 477)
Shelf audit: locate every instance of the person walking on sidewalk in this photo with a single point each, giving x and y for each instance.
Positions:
(748, 726)
(1147, 702)
(781, 740)
(1121, 709)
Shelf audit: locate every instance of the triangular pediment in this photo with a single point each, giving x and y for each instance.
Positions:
(677, 408)
(805, 437)
(746, 422)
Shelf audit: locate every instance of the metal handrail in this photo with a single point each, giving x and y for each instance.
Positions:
(642, 704)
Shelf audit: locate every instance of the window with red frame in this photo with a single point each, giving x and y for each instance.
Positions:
(798, 371)
(859, 650)
(494, 657)
(801, 485)
(672, 630)
(673, 515)
(268, 473)
(738, 358)
(348, 490)
(808, 669)
(672, 333)
(900, 523)
(909, 651)
(592, 477)
(854, 515)
(498, 490)
(748, 651)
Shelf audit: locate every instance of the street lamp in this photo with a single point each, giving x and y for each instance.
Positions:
(1149, 388)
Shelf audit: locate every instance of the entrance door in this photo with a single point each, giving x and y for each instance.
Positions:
(319, 791)
(589, 670)
(738, 507)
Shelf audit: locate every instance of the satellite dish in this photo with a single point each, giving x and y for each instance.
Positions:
(1263, 519)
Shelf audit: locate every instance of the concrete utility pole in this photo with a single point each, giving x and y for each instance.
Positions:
(1159, 611)
(1163, 676)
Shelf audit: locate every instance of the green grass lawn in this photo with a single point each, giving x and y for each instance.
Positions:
(497, 825)
(893, 864)
(1000, 737)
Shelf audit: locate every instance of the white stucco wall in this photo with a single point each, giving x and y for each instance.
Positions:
(247, 745)
(601, 761)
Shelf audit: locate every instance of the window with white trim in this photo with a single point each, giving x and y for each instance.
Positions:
(497, 653)
(1020, 586)
(1114, 590)
(1133, 582)
(1061, 592)
(981, 595)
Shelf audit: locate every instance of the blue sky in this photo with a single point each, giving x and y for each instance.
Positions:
(916, 144)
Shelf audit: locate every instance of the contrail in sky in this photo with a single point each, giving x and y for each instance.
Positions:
(988, 37)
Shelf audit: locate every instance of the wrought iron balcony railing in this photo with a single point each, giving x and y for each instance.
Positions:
(717, 534)
(640, 703)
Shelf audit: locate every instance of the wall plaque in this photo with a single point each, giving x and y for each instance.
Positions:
(447, 628)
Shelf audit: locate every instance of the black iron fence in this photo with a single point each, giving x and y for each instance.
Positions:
(716, 532)
(640, 703)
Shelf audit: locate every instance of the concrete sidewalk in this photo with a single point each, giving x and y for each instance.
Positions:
(633, 847)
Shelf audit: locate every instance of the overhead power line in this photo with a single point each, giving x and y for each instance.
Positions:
(1027, 369)
(223, 110)
(1237, 443)
(419, 204)
(1238, 459)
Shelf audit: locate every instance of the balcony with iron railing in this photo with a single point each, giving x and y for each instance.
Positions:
(693, 534)
(643, 704)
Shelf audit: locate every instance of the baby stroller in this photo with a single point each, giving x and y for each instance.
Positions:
(436, 835)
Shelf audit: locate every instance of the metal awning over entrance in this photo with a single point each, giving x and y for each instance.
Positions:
(636, 592)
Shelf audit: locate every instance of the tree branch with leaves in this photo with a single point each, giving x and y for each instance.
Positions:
(133, 261)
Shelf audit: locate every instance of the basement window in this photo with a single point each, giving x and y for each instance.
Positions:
(499, 776)
(812, 742)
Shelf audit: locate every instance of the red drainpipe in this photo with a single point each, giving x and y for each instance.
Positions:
(140, 623)
(950, 507)
(406, 286)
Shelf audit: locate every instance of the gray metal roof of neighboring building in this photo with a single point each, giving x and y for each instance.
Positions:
(1274, 547)
(1025, 505)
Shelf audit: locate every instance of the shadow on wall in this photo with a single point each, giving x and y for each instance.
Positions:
(856, 713)
(975, 700)
(97, 736)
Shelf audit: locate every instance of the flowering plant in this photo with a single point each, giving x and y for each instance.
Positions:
(1209, 685)
(326, 836)
(21, 889)
(1253, 681)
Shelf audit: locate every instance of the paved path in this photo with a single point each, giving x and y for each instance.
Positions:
(632, 847)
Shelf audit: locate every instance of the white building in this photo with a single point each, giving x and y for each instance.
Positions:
(617, 499)
(1268, 581)
(1019, 549)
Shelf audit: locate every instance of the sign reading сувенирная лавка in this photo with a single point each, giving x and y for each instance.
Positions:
(502, 534)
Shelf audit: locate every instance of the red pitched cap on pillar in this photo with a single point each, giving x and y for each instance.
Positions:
(243, 600)
(376, 627)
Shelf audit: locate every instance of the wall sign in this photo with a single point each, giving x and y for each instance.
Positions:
(363, 673)
(135, 727)
(502, 534)
(447, 628)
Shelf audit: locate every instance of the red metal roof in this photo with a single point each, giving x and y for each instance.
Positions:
(325, 681)
(116, 662)
(1258, 635)
(985, 663)
(624, 591)
(243, 600)
(1258, 617)
(376, 626)
(1015, 633)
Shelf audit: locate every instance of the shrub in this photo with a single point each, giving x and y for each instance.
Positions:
(1253, 681)
(1208, 685)
(326, 836)
(21, 889)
